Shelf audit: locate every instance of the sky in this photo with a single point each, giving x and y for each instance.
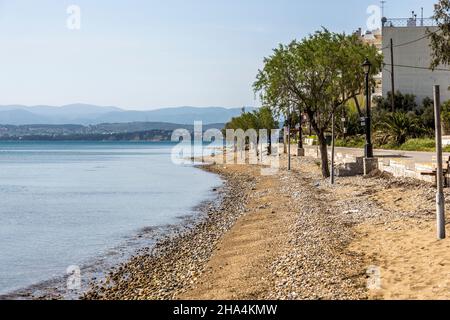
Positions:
(147, 54)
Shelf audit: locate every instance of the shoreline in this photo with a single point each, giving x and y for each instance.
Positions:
(260, 242)
(175, 262)
(292, 236)
(95, 269)
(141, 242)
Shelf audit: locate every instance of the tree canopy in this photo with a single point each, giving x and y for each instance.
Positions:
(440, 39)
(260, 119)
(316, 76)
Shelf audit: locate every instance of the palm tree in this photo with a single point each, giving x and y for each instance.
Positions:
(398, 127)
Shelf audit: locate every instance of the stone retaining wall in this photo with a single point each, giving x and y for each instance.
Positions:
(348, 164)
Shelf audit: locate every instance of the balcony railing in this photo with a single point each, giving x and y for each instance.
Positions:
(409, 22)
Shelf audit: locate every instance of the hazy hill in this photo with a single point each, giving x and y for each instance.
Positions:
(84, 114)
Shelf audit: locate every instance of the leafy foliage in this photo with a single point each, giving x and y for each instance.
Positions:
(317, 76)
(440, 41)
(399, 127)
(424, 113)
(404, 103)
(446, 117)
(262, 118)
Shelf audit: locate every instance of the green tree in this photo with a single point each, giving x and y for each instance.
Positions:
(317, 75)
(446, 117)
(403, 102)
(261, 119)
(398, 127)
(440, 40)
(406, 104)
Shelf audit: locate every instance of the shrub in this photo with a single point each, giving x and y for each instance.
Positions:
(398, 127)
(419, 145)
(446, 117)
(351, 142)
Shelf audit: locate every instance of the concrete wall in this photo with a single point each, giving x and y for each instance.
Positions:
(408, 80)
(350, 165)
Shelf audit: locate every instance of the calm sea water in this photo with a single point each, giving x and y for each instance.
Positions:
(64, 204)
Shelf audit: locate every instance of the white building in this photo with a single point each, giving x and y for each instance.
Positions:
(373, 38)
(412, 59)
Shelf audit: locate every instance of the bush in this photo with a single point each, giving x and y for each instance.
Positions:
(398, 127)
(406, 104)
(419, 145)
(446, 117)
(351, 142)
(403, 102)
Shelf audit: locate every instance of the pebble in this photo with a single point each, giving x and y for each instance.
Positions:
(314, 264)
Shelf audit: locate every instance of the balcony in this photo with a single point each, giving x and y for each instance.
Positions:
(409, 22)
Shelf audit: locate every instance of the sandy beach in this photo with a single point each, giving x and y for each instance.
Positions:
(294, 236)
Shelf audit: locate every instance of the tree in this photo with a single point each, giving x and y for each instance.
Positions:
(440, 40)
(261, 119)
(406, 104)
(317, 75)
(398, 127)
(403, 102)
(446, 117)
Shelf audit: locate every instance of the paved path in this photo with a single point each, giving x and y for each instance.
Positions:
(410, 157)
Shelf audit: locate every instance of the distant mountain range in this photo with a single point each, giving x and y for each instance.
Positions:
(84, 114)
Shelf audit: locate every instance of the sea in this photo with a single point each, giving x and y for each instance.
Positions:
(70, 208)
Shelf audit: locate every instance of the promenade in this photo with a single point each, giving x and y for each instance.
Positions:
(402, 164)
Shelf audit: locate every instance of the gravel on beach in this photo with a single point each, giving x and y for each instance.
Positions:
(175, 263)
(315, 262)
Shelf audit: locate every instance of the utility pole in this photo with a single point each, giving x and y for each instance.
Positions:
(333, 140)
(421, 17)
(392, 77)
(368, 153)
(440, 200)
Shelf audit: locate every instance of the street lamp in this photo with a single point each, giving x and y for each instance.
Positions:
(300, 132)
(367, 66)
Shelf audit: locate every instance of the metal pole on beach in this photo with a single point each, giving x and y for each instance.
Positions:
(367, 65)
(333, 144)
(392, 77)
(289, 138)
(440, 200)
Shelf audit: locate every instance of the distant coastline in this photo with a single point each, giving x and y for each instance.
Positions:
(148, 136)
(136, 131)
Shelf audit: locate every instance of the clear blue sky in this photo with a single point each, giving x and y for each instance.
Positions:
(144, 54)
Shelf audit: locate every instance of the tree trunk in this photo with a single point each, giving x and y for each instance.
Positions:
(358, 106)
(324, 155)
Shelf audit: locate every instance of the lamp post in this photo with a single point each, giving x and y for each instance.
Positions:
(300, 132)
(369, 147)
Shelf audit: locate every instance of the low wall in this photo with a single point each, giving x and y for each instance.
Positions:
(403, 168)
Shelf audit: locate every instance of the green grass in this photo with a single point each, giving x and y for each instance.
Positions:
(419, 145)
(352, 142)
